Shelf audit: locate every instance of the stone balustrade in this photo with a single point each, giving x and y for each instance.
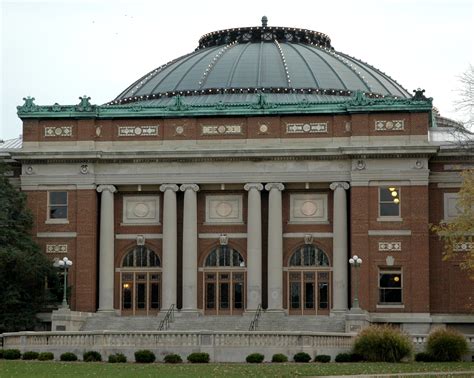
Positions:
(222, 346)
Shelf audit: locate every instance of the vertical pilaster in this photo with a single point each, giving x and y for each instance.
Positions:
(340, 253)
(106, 245)
(190, 247)
(275, 246)
(254, 245)
(170, 248)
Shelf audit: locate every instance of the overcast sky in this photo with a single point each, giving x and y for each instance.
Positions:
(59, 50)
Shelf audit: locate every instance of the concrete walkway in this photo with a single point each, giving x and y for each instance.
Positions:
(468, 373)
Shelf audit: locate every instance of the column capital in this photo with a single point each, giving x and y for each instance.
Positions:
(166, 187)
(112, 189)
(193, 187)
(274, 185)
(339, 184)
(253, 185)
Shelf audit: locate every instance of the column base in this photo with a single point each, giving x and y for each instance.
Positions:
(107, 312)
(188, 313)
(338, 312)
(356, 320)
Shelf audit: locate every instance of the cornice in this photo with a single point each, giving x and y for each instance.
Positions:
(357, 103)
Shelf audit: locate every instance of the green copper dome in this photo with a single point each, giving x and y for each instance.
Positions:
(251, 60)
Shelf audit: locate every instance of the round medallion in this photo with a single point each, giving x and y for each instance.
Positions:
(179, 130)
(306, 127)
(58, 131)
(263, 128)
(389, 125)
(221, 129)
(223, 209)
(141, 210)
(309, 208)
(138, 130)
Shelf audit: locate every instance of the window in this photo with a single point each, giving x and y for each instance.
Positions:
(390, 287)
(309, 255)
(141, 256)
(225, 256)
(389, 202)
(57, 208)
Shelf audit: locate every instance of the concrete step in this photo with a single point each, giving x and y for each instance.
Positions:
(196, 322)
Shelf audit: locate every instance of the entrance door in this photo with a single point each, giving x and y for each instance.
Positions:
(308, 293)
(224, 293)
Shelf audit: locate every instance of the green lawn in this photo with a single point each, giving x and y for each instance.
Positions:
(103, 369)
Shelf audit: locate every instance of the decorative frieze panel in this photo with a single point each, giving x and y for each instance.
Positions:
(463, 247)
(451, 209)
(125, 131)
(224, 209)
(393, 125)
(56, 248)
(390, 246)
(308, 208)
(141, 209)
(221, 129)
(306, 128)
(58, 131)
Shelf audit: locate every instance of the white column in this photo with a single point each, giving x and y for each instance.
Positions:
(106, 245)
(190, 250)
(170, 249)
(340, 254)
(254, 246)
(275, 246)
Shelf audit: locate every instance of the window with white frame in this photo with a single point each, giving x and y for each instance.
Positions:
(57, 205)
(389, 201)
(390, 286)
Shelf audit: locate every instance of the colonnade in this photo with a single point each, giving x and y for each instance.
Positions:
(254, 246)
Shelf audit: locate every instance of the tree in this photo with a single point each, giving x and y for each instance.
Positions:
(458, 234)
(465, 102)
(23, 267)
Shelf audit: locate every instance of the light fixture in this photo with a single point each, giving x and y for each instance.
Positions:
(391, 189)
(394, 193)
(396, 278)
(396, 200)
(126, 285)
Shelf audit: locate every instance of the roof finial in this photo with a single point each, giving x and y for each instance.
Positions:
(264, 21)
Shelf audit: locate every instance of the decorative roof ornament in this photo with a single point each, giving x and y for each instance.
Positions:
(264, 21)
(419, 95)
(84, 105)
(179, 104)
(262, 102)
(28, 106)
(359, 99)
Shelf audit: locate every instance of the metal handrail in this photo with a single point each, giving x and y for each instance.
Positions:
(254, 322)
(169, 318)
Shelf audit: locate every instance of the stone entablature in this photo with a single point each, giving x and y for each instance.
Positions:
(242, 127)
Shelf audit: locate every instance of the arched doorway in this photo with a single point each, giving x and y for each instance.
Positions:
(140, 282)
(224, 276)
(308, 281)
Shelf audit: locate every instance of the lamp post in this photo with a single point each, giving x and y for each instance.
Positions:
(356, 261)
(65, 264)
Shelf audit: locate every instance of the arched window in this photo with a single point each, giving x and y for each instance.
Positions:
(225, 256)
(141, 256)
(309, 255)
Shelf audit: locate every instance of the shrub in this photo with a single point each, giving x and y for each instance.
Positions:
(355, 357)
(91, 356)
(382, 344)
(11, 354)
(117, 358)
(255, 358)
(173, 359)
(423, 357)
(30, 356)
(197, 358)
(68, 356)
(46, 356)
(322, 358)
(279, 357)
(145, 356)
(446, 345)
(343, 357)
(1, 353)
(302, 357)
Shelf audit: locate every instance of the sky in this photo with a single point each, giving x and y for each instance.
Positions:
(59, 50)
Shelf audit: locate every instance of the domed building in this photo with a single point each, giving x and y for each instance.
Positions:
(242, 177)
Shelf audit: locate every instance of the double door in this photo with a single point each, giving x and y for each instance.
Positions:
(224, 292)
(141, 293)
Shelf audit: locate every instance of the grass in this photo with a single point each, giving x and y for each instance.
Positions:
(75, 369)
